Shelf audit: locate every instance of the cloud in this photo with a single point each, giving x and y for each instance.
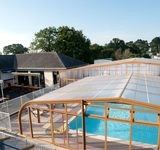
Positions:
(7, 38)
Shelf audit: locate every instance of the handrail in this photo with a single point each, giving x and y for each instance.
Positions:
(4, 139)
(29, 145)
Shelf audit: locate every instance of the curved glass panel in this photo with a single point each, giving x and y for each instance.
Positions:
(128, 94)
(142, 97)
(114, 93)
(141, 88)
(154, 99)
(152, 90)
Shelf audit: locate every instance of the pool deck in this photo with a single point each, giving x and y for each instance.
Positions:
(42, 131)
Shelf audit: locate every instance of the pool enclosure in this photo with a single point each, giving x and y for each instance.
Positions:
(131, 89)
(135, 65)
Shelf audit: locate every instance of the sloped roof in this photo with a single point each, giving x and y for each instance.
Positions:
(7, 62)
(134, 87)
(47, 60)
(144, 60)
(123, 61)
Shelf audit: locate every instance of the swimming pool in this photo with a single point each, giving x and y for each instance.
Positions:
(140, 133)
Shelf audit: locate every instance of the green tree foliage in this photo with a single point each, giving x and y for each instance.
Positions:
(155, 45)
(122, 55)
(44, 40)
(107, 53)
(143, 46)
(95, 52)
(118, 54)
(134, 55)
(109, 49)
(73, 43)
(146, 56)
(133, 47)
(117, 43)
(14, 49)
(64, 40)
(126, 54)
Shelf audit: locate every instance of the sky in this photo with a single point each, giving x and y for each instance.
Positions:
(100, 20)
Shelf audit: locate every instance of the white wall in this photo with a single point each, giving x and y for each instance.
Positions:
(48, 76)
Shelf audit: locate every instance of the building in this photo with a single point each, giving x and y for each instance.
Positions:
(47, 64)
(124, 106)
(131, 85)
(155, 56)
(124, 92)
(96, 61)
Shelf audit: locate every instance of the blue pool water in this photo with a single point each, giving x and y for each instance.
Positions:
(140, 133)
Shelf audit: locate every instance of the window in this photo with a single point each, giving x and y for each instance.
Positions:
(35, 79)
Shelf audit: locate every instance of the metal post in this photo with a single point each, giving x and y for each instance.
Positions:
(39, 81)
(10, 128)
(67, 125)
(21, 100)
(30, 122)
(43, 91)
(63, 129)
(51, 120)
(38, 116)
(131, 119)
(83, 126)
(105, 114)
(77, 132)
(13, 79)
(158, 132)
(33, 94)
(2, 91)
(7, 106)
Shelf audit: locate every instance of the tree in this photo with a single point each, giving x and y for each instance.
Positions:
(73, 43)
(146, 56)
(133, 47)
(143, 46)
(107, 52)
(14, 49)
(122, 55)
(155, 45)
(95, 51)
(117, 43)
(126, 54)
(134, 55)
(44, 40)
(118, 54)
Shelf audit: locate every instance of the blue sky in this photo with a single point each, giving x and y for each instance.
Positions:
(100, 20)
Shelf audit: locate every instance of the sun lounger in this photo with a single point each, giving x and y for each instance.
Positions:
(34, 112)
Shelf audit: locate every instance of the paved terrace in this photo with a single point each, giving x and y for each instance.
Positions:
(42, 131)
(12, 95)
